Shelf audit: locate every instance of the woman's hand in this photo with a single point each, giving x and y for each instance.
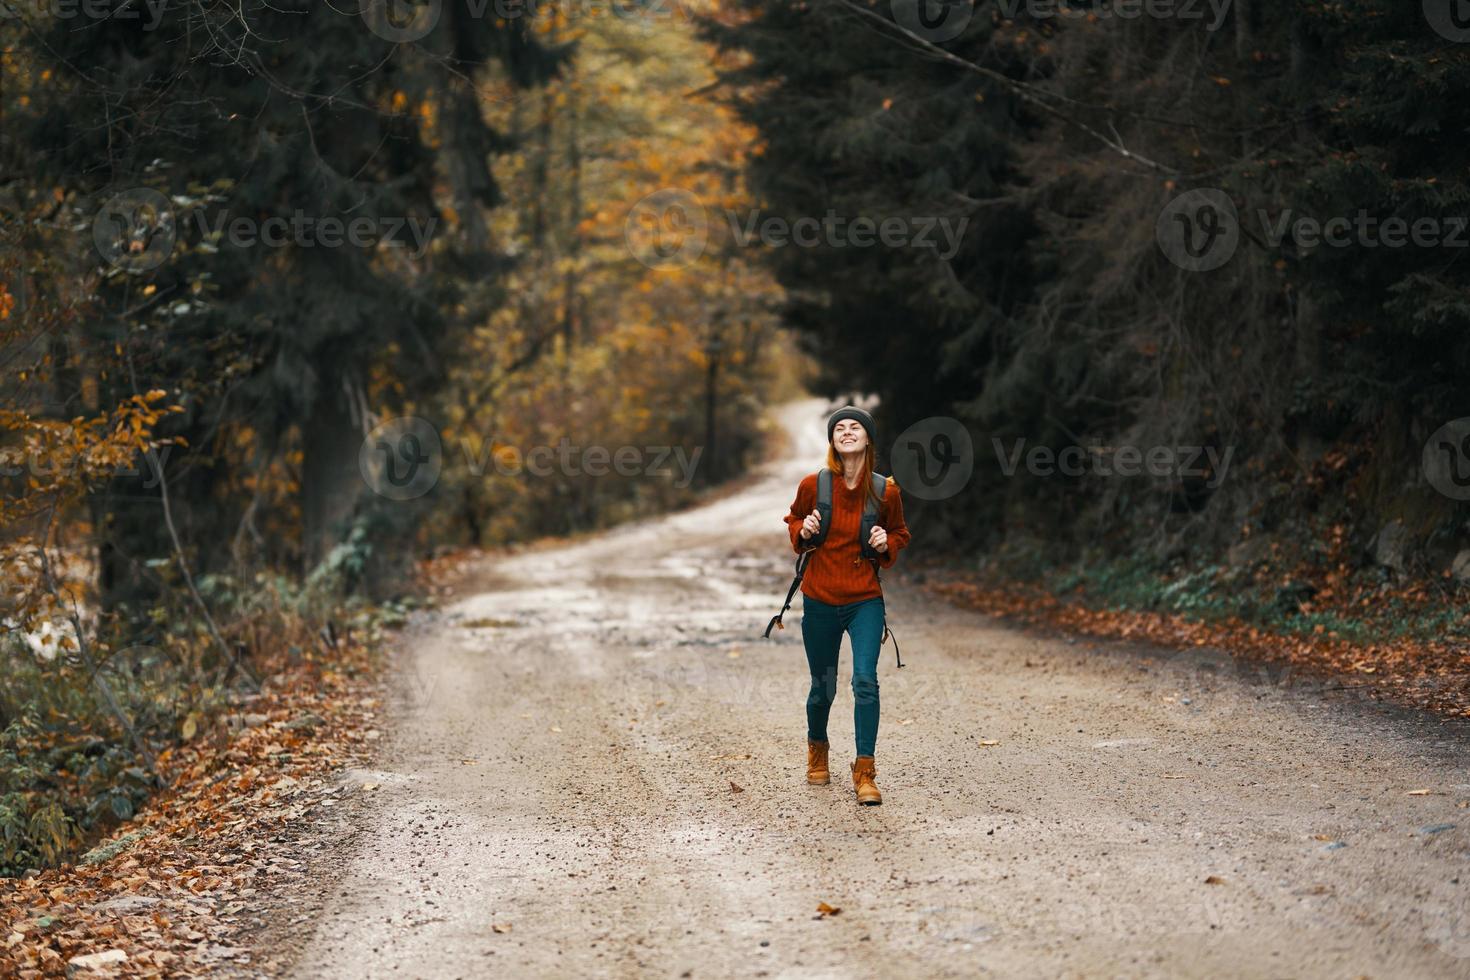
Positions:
(811, 524)
(878, 540)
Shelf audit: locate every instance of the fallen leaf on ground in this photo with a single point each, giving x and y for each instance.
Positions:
(826, 909)
(1214, 880)
(480, 624)
(988, 741)
(734, 788)
(500, 927)
(1427, 673)
(95, 961)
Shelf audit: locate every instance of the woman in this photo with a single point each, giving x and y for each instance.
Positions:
(842, 593)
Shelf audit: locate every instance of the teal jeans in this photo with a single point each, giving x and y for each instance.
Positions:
(822, 626)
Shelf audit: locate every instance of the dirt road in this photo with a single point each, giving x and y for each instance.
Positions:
(557, 793)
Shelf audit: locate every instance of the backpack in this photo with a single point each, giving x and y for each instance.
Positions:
(870, 513)
(865, 529)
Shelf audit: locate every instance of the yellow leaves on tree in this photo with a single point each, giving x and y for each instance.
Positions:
(49, 464)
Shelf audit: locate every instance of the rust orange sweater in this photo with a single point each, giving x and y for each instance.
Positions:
(837, 572)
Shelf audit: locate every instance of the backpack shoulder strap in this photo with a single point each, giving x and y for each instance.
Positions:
(880, 487)
(824, 508)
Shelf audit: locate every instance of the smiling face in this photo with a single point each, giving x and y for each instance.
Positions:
(849, 436)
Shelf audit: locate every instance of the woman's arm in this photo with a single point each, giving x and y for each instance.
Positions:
(804, 504)
(892, 519)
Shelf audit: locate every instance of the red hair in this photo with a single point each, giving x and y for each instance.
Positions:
(865, 472)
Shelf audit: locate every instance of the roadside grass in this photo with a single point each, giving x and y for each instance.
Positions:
(1398, 638)
(1371, 609)
(82, 730)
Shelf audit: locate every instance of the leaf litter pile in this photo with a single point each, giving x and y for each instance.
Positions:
(172, 890)
(1429, 674)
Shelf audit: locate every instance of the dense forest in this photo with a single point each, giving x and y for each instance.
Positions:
(240, 248)
(1086, 150)
(261, 263)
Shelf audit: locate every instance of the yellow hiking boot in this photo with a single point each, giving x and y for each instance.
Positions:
(816, 763)
(863, 771)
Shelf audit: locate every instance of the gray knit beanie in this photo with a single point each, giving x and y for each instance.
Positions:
(853, 412)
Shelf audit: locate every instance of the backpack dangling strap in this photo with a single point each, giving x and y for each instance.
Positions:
(775, 622)
(887, 634)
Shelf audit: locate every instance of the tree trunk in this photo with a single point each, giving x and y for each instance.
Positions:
(711, 403)
(465, 161)
(570, 320)
(330, 481)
